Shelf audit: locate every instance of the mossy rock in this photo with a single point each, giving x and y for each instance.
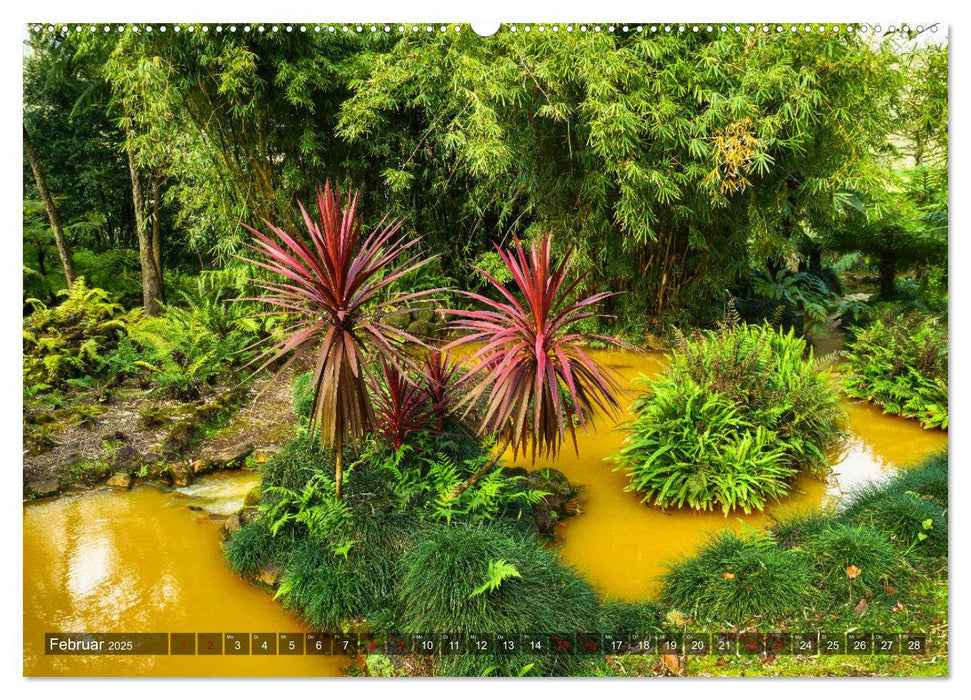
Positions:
(552, 481)
(421, 329)
(253, 496)
(425, 315)
(400, 321)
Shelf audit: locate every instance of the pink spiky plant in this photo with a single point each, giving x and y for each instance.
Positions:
(534, 377)
(339, 289)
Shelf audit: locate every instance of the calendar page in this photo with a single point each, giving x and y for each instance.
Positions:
(396, 349)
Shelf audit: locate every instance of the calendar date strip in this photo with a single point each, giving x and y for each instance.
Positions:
(350, 644)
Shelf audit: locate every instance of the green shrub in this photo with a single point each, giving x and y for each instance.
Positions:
(852, 561)
(303, 396)
(191, 346)
(739, 580)
(424, 473)
(312, 512)
(730, 421)
(900, 363)
(296, 464)
(251, 548)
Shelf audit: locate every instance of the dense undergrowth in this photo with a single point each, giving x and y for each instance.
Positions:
(89, 340)
(393, 559)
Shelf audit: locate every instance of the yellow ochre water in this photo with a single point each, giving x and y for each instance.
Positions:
(149, 560)
(146, 561)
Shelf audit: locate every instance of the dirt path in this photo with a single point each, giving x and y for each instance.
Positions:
(265, 420)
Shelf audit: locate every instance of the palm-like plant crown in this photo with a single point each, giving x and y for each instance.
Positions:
(337, 287)
(537, 380)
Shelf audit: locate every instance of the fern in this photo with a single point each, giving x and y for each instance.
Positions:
(499, 571)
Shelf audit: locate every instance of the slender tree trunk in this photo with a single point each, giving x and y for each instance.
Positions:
(474, 479)
(339, 463)
(157, 234)
(45, 196)
(888, 275)
(151, 280)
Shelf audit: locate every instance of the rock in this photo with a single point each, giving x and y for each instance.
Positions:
(425, 316)
(400, 321)
(513, 472)
(201, 466)
(126, 459)
(556, 504)
(177, 441)
(262, 455)
(41, 488)
(232, 457)
(253, 496)
(230, 527)
(120, 480)
(248, 515)
(552, 481)
(543, 517)
(37, 417)
(158, 472)
(208, 412)
(269, 576)
(181, 474)
(77, 487)
(421, 329)
(115, 436)
(74, 455)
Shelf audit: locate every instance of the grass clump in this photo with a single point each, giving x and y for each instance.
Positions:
(900, 363)
(853, 561)
(323, 587)
(917, 523)
(251, 548)
(929, 479)
(491, 578)
(730, 421)
(739, 580)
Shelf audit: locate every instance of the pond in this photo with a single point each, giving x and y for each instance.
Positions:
(149, 560)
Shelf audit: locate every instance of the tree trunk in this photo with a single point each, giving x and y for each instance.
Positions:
(474, 479)
(157, 234)
(151, 280)
(815, 257)
(45, 196)
(888, 275)
(339, 462)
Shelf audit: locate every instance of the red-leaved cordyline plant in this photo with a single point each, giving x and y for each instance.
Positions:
(337, 287)
(400, 407)
(441, 376)
(536, 380)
